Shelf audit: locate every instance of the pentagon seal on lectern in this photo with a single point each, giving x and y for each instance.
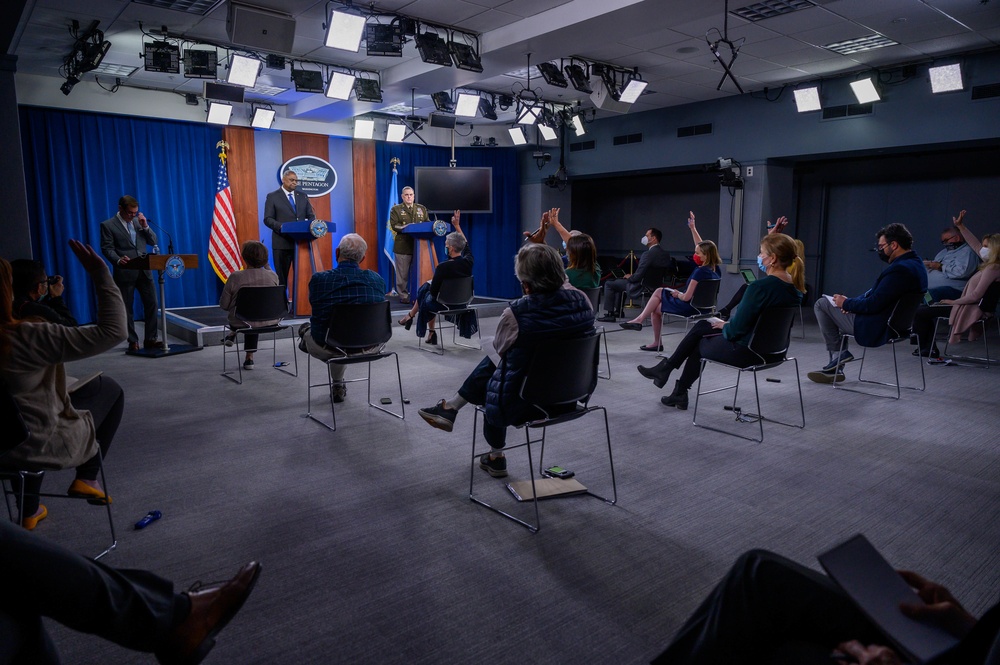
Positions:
(317, 228)
(174, 267)
(440, 228)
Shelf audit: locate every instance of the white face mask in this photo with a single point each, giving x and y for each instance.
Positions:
(984, 253)
(644, 241)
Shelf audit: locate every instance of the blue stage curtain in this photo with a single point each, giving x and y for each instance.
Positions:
(78, 165)
(494, 238)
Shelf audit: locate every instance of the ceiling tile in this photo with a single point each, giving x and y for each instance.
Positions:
(455, 10)
(952, 44)
(800, 21)
(857, 9)
(488, 20)
(833, 33)
(886, 55)
(655, 40)
(525, 8)
(772, 47)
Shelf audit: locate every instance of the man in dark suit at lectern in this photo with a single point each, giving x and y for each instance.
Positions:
(285, 205)
(124, 237)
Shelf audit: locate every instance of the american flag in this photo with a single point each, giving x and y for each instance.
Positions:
(223, 247)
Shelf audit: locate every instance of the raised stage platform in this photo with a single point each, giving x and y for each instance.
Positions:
(206, 326)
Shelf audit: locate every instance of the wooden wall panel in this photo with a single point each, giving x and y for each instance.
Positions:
(242, 163)
(366, 223)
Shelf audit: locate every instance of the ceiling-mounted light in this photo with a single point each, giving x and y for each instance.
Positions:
(442, 101)
(243, 70)
(577, 124)
(632, 90)
(219, 113)
(529, 114)
(201, 64)
(552, 75)
(161, 57)
(865, 90)
(344, 31)
(517, 136)
(433, 49)
(262, 118)
(578, 77)
(465, 56)
(67, 87)
(807, 99)
(467, 105)
(367, 90)
(364, 128)
(487, 109)
(395, 132)
(340, 85)
(307, 80)
(548, 133)
(946, 78)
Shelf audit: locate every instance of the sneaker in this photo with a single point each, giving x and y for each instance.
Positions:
(495, 467)
(826, 377)
(838, 361)
(339, 393)
(610, 317)
(248, 363)
(229, 339)
(439, 416)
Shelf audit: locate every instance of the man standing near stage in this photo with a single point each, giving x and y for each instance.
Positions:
(123, 238)
(402, 214)
(285, 205)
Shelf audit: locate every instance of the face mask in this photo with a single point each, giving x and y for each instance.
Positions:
(760, 264)
(984, 253)
(883, 255)
(564, 245)
(952, 245)
(644, 241)
(696, 259)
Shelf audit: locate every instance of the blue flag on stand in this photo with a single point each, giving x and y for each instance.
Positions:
(390, 242)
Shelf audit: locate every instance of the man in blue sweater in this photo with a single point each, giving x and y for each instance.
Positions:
(866, 317)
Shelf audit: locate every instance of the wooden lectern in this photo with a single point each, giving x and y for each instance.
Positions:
(428, 248)
(163, 264)
(307, 247)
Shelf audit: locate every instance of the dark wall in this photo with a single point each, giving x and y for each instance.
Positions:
(617, 211)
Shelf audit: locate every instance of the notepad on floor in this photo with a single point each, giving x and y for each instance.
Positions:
(547, 488)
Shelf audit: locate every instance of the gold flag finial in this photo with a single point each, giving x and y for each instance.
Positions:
(394, 161)
(223, 147)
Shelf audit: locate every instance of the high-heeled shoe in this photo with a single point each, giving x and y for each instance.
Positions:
(432, 338)
(659, 374)
(406, 322)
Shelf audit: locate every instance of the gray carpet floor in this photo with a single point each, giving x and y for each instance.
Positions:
(373, 553)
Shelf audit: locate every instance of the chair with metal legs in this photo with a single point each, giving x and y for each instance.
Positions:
(769, 341)
(899, 325)
(988, 305)
(13, 476)
(704, 300)
(594, 295)
(260, 303)
(357, 333)
(456, 296)
(560, 381)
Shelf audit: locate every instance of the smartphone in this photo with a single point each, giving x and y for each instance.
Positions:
(558, 472)
(385, 400)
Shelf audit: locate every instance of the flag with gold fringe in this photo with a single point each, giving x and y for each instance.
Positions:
(223, 246)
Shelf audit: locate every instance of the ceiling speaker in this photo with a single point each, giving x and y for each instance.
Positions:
(260, 28)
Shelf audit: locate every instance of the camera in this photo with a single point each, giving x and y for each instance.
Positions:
(53, 279)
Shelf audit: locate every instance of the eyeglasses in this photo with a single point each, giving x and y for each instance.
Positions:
(880, 246)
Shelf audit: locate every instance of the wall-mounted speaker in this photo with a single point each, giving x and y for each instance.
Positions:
(260, 28)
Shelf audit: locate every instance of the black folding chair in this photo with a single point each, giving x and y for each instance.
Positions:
(357, 333)
(706, 295)
(260, 303)
(595, 296)
(562, 373)
(769, 341)
(456, 296)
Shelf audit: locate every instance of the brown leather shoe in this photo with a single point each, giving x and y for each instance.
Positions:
(212, 607)
(133, 346)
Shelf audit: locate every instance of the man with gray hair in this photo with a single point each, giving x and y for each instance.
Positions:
(425, 304)
(551, 309)
(285, 204)
(348, 283)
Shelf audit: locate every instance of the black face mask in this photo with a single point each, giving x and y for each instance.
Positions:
(952, 245)
(883, 256)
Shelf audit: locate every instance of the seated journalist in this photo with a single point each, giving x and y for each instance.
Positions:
(256, 273)
(36, 295)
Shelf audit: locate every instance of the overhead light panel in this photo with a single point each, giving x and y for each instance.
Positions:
(344, 31)
(865, 91)
(465, 56)
(548, 133)
(395, 132)
(487, 109)
(442, 102)
(529, 114)
(339, 86)
(262, 118)
(577, 124)
(201, 64)
(578, 77)
(243, 70)
(384, 40)
(807, 99)
(433, 49)
(364, 128)
(517, 136)
(307, 80)
(468, 105)
(552, 75)
(946, 78)
(161, 57)
(219, 113)
(632, 91)
(860, 44)
(367, 90)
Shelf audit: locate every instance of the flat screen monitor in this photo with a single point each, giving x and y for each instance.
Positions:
(444, 189)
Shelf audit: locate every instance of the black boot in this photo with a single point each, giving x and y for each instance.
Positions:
(659, 374)
(678, 398)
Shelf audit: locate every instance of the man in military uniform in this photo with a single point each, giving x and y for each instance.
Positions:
(402, 214)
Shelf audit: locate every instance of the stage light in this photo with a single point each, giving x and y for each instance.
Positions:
(552, 75)
(465, 57)
(807, 99)
(93, 54)
(865, 91)
(442, 102)
(367, 90)
(517, 136)
(340, 85)
(486, 109)
(946, 78)
(578, 127)
(578, 77)
(364, 128)
(433, 49)
(344, 31)
(307, 80)
(262, 117)
(528, 115)
(384, 40)
(632, 90)
(201, 64)
(395, 132)
(219, 113)
(243, 70)
(67, 87)
(548, 133)
(161, 57)
(468, 105)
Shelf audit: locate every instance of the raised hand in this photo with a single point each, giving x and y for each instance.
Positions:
(957, 221)
(690, 219)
